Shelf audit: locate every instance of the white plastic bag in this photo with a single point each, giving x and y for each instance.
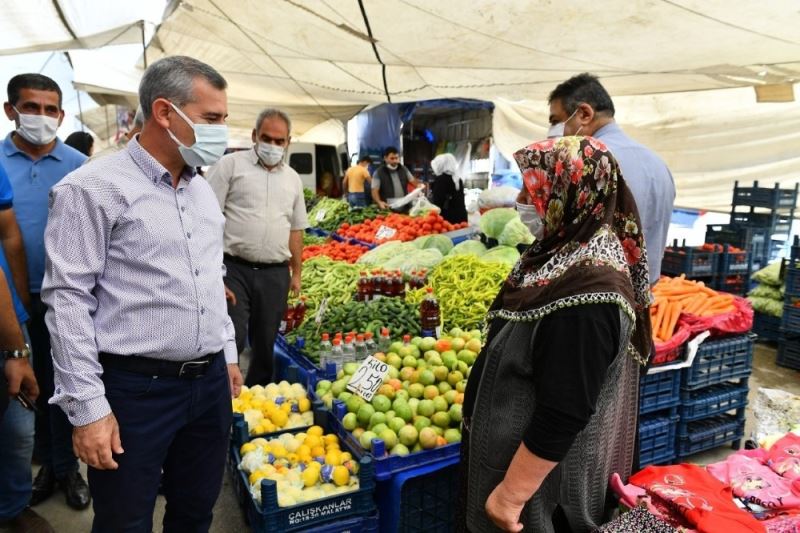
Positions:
(407, 199)
(422, 206)
(503, 196)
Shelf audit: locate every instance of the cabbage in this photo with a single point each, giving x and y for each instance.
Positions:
(469, 247)
(492, 222)
(385, 252)
(414, 260)
(515, 233)
(440, 242)
(501, 254)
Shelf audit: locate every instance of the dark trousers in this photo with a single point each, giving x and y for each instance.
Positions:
(180, 425)
(260, 303)
(53, 442)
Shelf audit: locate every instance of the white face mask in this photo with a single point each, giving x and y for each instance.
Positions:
(557, 130)
(392, 167)
(37, 129)
(270, 154)
(210, 142)
(529, 216)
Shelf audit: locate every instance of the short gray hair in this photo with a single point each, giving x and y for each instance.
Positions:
(138, 118)
(273, 113)
(172, 78)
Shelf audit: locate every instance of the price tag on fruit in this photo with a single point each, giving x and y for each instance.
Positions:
(368, 378)
(385, 232)
(320, 215)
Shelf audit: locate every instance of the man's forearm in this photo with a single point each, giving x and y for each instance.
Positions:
(296, 249)
(10, 333)
(376, 197)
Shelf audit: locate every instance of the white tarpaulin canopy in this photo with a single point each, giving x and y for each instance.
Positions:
(681, 71)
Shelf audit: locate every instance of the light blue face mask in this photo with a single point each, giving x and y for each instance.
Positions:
(210, 142)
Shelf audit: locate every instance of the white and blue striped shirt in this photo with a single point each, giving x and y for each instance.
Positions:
(134, 266)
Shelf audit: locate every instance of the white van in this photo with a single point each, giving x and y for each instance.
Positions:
(319, 165)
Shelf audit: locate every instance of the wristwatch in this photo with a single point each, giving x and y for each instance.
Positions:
(16, 354)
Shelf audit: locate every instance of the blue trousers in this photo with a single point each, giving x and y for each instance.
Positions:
(16, 448)
(53, 442)
(357, 199)
(180, 425)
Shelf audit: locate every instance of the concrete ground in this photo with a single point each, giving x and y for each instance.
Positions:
(228, 517)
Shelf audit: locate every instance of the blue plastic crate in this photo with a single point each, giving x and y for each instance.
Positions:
(657, 439)
(388, 465)
(718, 361)
(713, 400)
(767, 327)
(766, 197)
(319, 232)
(323, 513)
(789, 354)
(735, 284)
(690, 261)
(776, 223)
(659, 391)
(790, 323)
(792, 281)
(709, 433)
(359, 524)
(421, 499)
(308, 370)
(733, 263)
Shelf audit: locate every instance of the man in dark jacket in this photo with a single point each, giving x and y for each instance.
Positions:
(391, 179)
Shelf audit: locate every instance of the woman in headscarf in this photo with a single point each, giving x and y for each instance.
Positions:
(551, 406)
(448, 189)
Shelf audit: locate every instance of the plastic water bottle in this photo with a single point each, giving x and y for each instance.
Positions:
(371, 345)
(337, 354)
(361, 348)
(325, 350)
(349, 350)
(385, 341)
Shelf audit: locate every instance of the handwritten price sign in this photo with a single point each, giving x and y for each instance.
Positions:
(368, 378)
(385, 232)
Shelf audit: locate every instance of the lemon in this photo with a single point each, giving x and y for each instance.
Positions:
(341, 476)
(330, 438)
(315, 430)
(292, 458)
(247, 447)
(346, 456)
(256, 477)
(317, 451)
(304, 404)
(257, 429)
(303, 450)
(268, 427)
(286, 407)
(279, 418)
(310, 477)
(333, 458)
(278, 451)
(312, 441)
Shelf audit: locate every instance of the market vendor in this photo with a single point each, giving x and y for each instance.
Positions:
(553, 395)
(390, 181)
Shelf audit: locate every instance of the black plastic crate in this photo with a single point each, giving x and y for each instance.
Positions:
(767, 327)
(422, 499)
(789, 354)
(790, 323)
(709, 433)
(776, 223)
(657, 439)
(733, 263)
(718, 361)
(792, 281)
(690, 261)
(659, 391)
(738, 285)
(713, 400)
(766, 197)
(757, 241)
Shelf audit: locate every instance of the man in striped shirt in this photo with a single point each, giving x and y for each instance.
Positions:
(144, 351)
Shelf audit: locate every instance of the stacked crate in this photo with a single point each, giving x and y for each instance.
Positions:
(761, 218)
(714, 395)
(789, 349)
(659, 398)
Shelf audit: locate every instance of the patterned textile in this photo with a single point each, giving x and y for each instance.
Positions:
(637, 520)
(592, 250)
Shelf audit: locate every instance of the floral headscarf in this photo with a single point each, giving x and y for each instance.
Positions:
(592, 250)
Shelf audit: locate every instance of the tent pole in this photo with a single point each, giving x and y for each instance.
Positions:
(144, 46)
(80, 111)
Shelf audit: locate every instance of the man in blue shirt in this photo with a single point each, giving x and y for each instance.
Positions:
(582, 106)
(16, 423)
(35, 160)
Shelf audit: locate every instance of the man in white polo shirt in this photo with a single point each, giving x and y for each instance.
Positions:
(265, 215)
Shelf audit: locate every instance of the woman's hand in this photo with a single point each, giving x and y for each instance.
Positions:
(504, 507)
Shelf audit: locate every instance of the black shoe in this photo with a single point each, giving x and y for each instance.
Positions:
(28, 521)
(43, 486)
(76, 490)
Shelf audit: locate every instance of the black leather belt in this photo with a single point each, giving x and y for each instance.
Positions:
(254, 266)
(195, 368)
